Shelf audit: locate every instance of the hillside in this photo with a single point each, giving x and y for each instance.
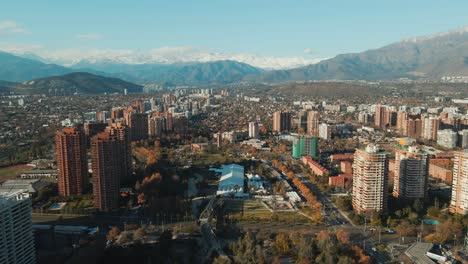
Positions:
(443, 54)
(18, 69)
(78, 82)
(216, 72)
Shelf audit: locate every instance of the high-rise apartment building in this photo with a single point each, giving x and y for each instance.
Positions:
(411, 172)
(121, 132)
(302, 122)
(447, 138)
(463, 139)
(402, 119)
(382, 116)
(281, 121)
(430, 128)
(370, 180)
(304, 145)
(16, 235)
(459, 202)
(108, 165)
(414, 128)
(138, 125)
(313, 118)
(253, 130)
(70, 150)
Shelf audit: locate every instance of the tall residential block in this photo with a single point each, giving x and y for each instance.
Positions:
(447, 138)
(121, 132)
(138, 125)
(304, 146)
(411, 172)
(16, 234)
(70, 150)
(281, 121)
(370, 180)
(253, 130)
(313, 118)
(459, 202)
(430, 128)
(108, 166)
(382, 116)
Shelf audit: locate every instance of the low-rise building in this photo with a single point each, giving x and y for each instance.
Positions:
(342, 181)
(314, 166)
(231, 181)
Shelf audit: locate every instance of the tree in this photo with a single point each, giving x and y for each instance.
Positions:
(221, 260)
(125, 237)
(306, 249)
(139, 233)
(360, 256)
(282, 243)
(433, 211)
(244, 249)
(436, 238)
(345, 260)
(405, 229)
(342, 236)
(375, 219)
(113, 233)
(418, 206)
(283, 148)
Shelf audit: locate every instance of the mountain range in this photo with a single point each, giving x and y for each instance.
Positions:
(443, 54)
(434, 56)
(76, 82)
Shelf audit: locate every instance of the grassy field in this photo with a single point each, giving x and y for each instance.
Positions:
(252, 211)
(12, 171)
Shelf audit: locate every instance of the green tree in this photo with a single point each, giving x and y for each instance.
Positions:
(244, 250)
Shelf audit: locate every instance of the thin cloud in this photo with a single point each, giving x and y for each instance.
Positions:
(309, 51)
(89, 36)
(9, 26)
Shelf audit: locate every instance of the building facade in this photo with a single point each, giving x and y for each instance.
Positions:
(313, 118)
(370, 180)
(253, 130)
(281, 121)
(108, 166)
(16, 234)
(447, 138)
(411, 172)
(459, 202)
(72, 168)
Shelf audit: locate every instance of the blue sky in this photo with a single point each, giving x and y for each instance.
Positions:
(310, 29)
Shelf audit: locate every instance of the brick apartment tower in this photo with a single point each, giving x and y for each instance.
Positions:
(370, 180)
(138, 125)
(121, 131)
(70, 150)
(108, 163)
(411, 172)
(381, 116)
(313, 123)
(459, 202)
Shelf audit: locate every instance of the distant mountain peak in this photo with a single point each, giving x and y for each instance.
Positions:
(458, 31)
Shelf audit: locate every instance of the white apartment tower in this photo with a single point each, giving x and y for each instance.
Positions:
(447, 138)
(411, 172)
(459, 202)
(370, 180)
(430, 128)
(253, 130)
(16, 235)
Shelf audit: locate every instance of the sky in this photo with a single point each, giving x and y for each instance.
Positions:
(258, 31)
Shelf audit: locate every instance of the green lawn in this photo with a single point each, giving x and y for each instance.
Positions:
(12, 171)
(252, 211)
